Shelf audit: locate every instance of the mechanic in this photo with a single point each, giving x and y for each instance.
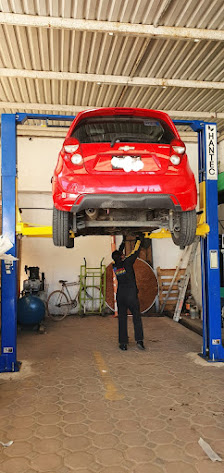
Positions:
(127, 293)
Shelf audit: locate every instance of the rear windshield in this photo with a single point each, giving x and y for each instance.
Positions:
(123, 129)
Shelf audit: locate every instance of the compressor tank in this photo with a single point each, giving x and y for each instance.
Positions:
(30, 310)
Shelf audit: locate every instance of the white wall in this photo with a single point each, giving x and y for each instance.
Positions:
(62, 263)
(221, 156)
(221, 169)
(36, 161)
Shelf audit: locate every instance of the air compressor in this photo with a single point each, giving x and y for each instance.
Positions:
(33, 285)
(31, 307)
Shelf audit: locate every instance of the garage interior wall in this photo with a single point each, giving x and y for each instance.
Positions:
(37, 158)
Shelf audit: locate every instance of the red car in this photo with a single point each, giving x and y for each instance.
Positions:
(121, 171)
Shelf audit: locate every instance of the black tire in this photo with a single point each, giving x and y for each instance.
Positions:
(62, 223)
(57, 305)
(185, 235)
(70, 243)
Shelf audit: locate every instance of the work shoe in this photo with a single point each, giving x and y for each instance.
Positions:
(140, 345)
(123, 346)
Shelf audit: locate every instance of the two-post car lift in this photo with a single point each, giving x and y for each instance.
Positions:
(213, 349)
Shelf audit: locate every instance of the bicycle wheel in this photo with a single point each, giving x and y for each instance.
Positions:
(58, 305)
(90, 300)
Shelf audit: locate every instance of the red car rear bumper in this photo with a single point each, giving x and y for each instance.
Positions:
(94, 191)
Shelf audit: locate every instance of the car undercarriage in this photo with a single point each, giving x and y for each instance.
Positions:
(116, 221)
(67, 225)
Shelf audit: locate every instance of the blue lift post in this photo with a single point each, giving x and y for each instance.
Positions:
(213, 348)
(8, 358)
(207, 146)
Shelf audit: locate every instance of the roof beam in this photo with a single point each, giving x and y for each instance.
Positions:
(110, 80)
(42, 107)
(111, 27)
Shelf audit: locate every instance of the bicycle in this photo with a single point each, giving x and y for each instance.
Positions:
(60, 302)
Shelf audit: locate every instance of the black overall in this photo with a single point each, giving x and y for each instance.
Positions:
(127, 295)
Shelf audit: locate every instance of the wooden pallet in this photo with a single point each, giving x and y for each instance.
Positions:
(165, 277)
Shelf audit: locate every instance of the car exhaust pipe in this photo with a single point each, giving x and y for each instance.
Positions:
(92, 214)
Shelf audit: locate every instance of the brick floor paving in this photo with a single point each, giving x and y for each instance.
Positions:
(83, 405)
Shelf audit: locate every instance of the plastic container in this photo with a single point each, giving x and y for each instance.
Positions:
(194, 312)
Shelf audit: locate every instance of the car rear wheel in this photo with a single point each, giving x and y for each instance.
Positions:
(185, 224)
(62, 223)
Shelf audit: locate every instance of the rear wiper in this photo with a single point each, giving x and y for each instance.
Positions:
(135, 138)
(118, 137)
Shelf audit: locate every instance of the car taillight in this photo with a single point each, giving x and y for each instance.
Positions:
(71, 148)
(71, 153)
(76, 159)
(175, 159)
(177, 150)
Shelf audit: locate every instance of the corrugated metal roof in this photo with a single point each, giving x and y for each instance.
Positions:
(64, 49)
(200, 14)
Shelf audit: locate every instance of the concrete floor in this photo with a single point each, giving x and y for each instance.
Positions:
(80, 404)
